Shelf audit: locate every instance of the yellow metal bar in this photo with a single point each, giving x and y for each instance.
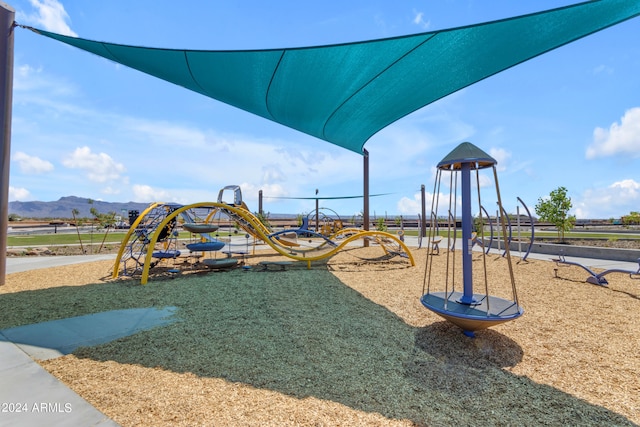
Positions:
(252, 225)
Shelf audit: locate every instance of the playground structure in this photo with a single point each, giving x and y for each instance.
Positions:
(153, 237)
(327, 224)
(468, 310)
(484, 220)
(598, 278)
(507, 236)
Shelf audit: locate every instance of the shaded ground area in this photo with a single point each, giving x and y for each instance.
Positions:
(55, 338)
(346, 342)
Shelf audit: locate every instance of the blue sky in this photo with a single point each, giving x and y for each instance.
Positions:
(87, 127)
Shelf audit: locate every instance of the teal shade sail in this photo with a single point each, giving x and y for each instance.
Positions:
(346, 93)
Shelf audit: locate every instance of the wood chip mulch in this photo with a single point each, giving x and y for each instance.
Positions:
(345, 343)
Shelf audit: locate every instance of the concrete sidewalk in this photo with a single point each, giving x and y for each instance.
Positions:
(29, 395)
(604, 264)
(25, 263)
(32, 397)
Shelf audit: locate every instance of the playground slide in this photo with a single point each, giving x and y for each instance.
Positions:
(311, 247)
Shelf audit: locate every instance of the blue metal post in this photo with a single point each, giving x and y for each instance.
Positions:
(467, 270)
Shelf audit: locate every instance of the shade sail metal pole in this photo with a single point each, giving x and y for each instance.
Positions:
(365, 213)
(423, 225)
(7, 17)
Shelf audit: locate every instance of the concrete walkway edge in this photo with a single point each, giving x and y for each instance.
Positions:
(32, 397)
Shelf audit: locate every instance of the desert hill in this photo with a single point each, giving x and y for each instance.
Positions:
(63, 207)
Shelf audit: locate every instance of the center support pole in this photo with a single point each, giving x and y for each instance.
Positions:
(467, 244)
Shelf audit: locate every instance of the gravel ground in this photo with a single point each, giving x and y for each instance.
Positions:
(346, 342)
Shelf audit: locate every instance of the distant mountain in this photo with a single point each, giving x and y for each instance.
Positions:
(63, 207)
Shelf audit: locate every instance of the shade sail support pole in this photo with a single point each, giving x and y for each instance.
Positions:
(365, 208)
(7, 19)
(423, 222)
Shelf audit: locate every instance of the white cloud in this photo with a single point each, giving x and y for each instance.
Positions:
(258, 161)
(502, 156)
(272, 173)
(418, 19)
(51, 16)
(620, 139)
(270, 191)
(603, 69)
(617, 199)
(407, 206)
(31, 164)
(21, 194)
(485, 180)
(32, 85)
(174, 135)
(99, 167)
(146, 193)
(24, 77)
(111, 191)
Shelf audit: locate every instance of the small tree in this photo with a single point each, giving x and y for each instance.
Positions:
(263, 218)
(76, 222)
(631, 219)
(555, 209)
(105, 221)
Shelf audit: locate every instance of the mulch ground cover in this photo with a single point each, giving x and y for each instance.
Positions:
(346, 342)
